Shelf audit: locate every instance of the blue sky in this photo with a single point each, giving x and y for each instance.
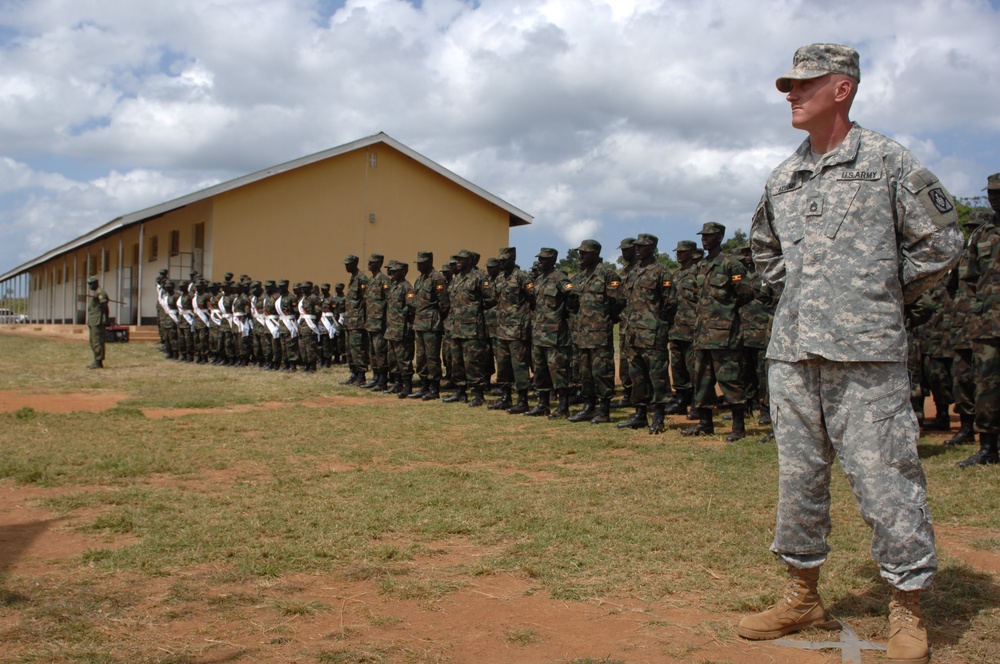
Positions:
(602, 119)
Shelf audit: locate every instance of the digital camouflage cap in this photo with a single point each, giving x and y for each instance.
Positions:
(815, 60)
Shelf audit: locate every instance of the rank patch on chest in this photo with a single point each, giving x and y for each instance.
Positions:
(814, 206)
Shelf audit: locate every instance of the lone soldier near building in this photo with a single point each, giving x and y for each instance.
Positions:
(594, 300)
(97, 321)
(849, 229)
(982, 267)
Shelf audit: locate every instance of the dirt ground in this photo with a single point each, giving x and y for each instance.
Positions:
(494, 618)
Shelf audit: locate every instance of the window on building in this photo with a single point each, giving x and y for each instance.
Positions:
(154, 248)
(107, 261)
(199, 236)
(175, 243)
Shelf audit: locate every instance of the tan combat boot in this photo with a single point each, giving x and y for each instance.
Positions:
(907, 635)
(798, 608)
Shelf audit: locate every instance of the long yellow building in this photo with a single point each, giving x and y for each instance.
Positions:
(292, 221)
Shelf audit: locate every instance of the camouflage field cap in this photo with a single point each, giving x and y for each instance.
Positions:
(164, 272)
(269, 283)
(627, 243)
(283, 283)
(464, 253)
(711, 228)
(590, 245)
(324, 286)
(509, 253)
(307, 285)
(547, 252)
(646, 239)
(424, 257)
(475, 257)
(993, 182)
(978, 217)
(350, 258)
(817, 60)
(93, 280)
(376, 258)
(446, 268)
(686, 245)
(228, 276)
(254, 284)
(168, 284)
(492, 262)
(339, 286)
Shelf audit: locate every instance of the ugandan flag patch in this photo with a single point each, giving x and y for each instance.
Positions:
(737, 277)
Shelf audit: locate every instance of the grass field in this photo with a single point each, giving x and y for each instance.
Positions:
(205, 499)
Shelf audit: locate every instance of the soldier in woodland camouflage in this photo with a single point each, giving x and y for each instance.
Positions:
(756, 318)
(286, 305)
(550, 338)
(981, 266)
(627, 249)
(514, 289)
(354, 321)
(310, 310)
(399, 329)
(594, 301)
(849, 229)
(471, 294)
(430, 306)
(685, 290)
(337, 301)
(97, 321)
(649, 311)
(375, 302)
(934, 308)
(718, 336)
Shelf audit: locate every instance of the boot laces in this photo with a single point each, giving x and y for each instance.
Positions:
(901, 608)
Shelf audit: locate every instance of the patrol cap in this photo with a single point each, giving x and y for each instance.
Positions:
(547, 252)
(283, 283)
(509, 253)
(376, 258)
(168, 284)
(817, 60)
(686, 245)
(324, 286)
(424, 256)
(590, 245)
(464, 253)
(269, 283)
(979, 216)
(492, 262)
(627, 243)
(228, 276)
(244, 277)
(93, 280)
(645, 239)
(711, 228)
(350, 258)
(307, 284)
(475, 256)
(394, 265)
(254, 284)
(164, 271)
(993, 182)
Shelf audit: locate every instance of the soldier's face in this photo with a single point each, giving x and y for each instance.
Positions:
(546, 265)
(588, 259)
(628, 254)
(424, 267)
(351, 267)
(374, 266)
(644, 251)
(815, 101)
(993, 195)
(710, 241)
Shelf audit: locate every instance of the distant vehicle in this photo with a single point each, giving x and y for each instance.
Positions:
(7, 317)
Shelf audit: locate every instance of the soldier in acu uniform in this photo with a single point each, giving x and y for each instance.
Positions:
(594, 301)
(849, 229)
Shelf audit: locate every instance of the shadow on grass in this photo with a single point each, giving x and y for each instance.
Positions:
(959, 595)
(16, 538)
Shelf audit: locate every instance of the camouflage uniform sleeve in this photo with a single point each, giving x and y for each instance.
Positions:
(444, 301)
(930, 240)
(766, 247)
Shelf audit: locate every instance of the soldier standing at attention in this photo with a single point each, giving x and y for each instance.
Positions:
(310, 308)
(648, 310)
(354, 321)
(982, 267)
(718, 334)
(594, 299)
(375, 301)
(471, 294)
(97, 321)
(430, 307)
(850, 228)
(399, 330)
(550, 340)
(624, 350)
(684, 290)
(513, 343)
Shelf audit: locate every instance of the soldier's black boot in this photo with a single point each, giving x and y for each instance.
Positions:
(478, 397)
(562, 410)
(965, 434)
(680, 403)
(449, 384)
(987, 454)
(460, 395)
(739, 424)
(433, 391)
(405, 387)
(705, 424)
(941, 421)
(521, 407)
(587, 413)
(638, 419)
(765, 415)
(373, 382)
(602, 415)
(543, 405)
(359, 380)
(626, 399)
(383, 382)
(397, 384)
(425, 386)
(504, 402)
(351, 379)
(96, 364)
(657, 426)
(917, 403)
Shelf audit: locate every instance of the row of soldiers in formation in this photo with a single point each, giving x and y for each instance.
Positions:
(954, 343)
(682, 334)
